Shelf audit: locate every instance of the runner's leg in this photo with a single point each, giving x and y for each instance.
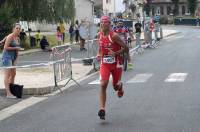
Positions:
(117, 84)
(104, 80)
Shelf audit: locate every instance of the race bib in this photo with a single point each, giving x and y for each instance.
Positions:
(108, 59)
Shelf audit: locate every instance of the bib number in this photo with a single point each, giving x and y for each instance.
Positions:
(108, 59)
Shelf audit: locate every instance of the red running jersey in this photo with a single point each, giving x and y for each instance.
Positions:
(106, 44)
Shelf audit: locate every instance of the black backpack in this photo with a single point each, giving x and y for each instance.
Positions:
(71, 29)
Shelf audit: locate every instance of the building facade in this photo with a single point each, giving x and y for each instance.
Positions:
(111, 7)
(84, 10)
(165, 7)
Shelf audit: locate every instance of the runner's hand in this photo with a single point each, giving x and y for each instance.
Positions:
(98, 57)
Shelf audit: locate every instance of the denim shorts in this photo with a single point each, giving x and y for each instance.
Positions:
(6, 62)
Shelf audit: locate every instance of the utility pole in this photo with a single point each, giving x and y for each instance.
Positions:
(114, 14)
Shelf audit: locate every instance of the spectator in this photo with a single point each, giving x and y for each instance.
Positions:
(9, 58)
(82, 40)
(38, 37)
(82, 44)
(59, 35)
(22, 37)
(138, 27)
(151, 29)
(62, 30)
(76, 31)
(198, 21)
(146, 32)
(71, 32)
(44, 44)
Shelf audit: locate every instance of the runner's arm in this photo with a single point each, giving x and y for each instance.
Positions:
(118, 40)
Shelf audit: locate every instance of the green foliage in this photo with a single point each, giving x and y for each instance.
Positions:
(192, 6)
(6, 14)
(164, 20)
(49, 10)
(64, 10)
(7, 20)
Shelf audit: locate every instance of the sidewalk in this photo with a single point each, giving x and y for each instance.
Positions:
(38, 81)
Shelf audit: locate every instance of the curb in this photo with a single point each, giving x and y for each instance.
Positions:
(49, 89)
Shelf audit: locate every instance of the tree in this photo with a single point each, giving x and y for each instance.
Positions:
(175, 10)
(64, 9)
(50, 10)
(39, 10)
(192, 6)
(7, 20)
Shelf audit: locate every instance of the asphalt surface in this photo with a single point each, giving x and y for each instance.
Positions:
(44, 57)
(153, 100)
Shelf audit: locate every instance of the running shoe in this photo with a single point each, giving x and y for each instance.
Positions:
(102, 114)
(120, 91)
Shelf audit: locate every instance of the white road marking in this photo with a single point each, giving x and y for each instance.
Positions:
(178, 37)
(140, 78)
(174, 38)
(9, 111)
(97, 81)
(176, 77)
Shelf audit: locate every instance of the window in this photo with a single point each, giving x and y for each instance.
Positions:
(161, 10)
(183, 10)
(168, 10)
(153, 10)
(158, 12)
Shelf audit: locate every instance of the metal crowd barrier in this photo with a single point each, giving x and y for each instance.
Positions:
(87, 57)
(158, 35)
(63, 65)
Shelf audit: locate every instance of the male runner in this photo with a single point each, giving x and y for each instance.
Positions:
(110, 49)
(123, 32)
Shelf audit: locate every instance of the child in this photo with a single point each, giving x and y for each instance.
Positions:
(59, 36)
(37, 37)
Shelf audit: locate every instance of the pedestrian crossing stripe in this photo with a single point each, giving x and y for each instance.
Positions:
(144, 77)
(97, 81)
(140, 78)
(176, 77)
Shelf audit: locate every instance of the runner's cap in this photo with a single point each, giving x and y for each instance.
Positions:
(105, 18)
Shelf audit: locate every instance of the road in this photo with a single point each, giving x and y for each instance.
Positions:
(161, 95)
